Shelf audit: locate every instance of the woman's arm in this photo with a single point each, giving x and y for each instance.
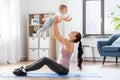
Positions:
(56, 33)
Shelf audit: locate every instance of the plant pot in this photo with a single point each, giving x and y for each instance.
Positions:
(34, 34)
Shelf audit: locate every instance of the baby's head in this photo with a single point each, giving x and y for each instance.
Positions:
(63, 9)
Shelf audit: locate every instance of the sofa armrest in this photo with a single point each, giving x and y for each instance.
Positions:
(102, 43)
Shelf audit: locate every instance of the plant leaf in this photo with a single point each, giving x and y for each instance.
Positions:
(116, 27)
(112, 13)
(118, 6)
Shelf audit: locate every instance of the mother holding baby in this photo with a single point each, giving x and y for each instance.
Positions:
(61, 66)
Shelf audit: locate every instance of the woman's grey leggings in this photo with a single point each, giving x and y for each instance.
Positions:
(59, 69)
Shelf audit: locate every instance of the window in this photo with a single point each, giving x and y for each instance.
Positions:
(96, 17)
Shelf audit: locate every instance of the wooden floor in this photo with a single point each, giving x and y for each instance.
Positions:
(107, 72)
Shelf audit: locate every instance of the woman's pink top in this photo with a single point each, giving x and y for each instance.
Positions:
(64, 58)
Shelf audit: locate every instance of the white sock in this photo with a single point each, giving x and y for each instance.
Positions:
(24, 70)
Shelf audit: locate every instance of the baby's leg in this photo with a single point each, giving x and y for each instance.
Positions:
(47, 24)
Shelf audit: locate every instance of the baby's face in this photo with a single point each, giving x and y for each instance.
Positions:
(64, 11)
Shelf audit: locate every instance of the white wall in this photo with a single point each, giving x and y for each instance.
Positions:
(35, 6)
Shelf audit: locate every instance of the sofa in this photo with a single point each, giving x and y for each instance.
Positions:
(110, 47)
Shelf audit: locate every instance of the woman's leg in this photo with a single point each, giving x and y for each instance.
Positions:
(50, 63)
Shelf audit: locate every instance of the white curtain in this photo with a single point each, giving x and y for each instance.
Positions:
(75, 11)
(9, 31)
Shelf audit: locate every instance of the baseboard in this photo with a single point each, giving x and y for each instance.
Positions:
(23, 59)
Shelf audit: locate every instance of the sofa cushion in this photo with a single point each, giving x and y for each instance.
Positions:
(116, 43)
(110, 48)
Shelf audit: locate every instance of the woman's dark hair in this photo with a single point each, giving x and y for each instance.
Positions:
(80, 50)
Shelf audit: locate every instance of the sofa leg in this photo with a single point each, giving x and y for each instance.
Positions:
(116, 60)
(104, 59)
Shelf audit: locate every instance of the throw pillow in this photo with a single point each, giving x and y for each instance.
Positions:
(116, 43)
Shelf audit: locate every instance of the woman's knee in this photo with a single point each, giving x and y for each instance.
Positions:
(44, 58)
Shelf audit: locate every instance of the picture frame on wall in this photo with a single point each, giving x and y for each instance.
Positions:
(34, 21)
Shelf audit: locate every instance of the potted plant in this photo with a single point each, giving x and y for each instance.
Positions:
(34, 33)
(116, 20)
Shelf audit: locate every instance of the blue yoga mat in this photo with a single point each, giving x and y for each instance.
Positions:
(30, 74)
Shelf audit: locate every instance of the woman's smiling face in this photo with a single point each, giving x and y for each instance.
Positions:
(72, 35)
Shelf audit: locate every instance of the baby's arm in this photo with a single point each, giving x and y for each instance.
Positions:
(66, 18)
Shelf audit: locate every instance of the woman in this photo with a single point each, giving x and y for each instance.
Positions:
(62, 64)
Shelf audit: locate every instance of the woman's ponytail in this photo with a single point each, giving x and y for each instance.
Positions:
(80, 53)
(80, 50)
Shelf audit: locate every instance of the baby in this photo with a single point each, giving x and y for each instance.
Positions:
(61, 16)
